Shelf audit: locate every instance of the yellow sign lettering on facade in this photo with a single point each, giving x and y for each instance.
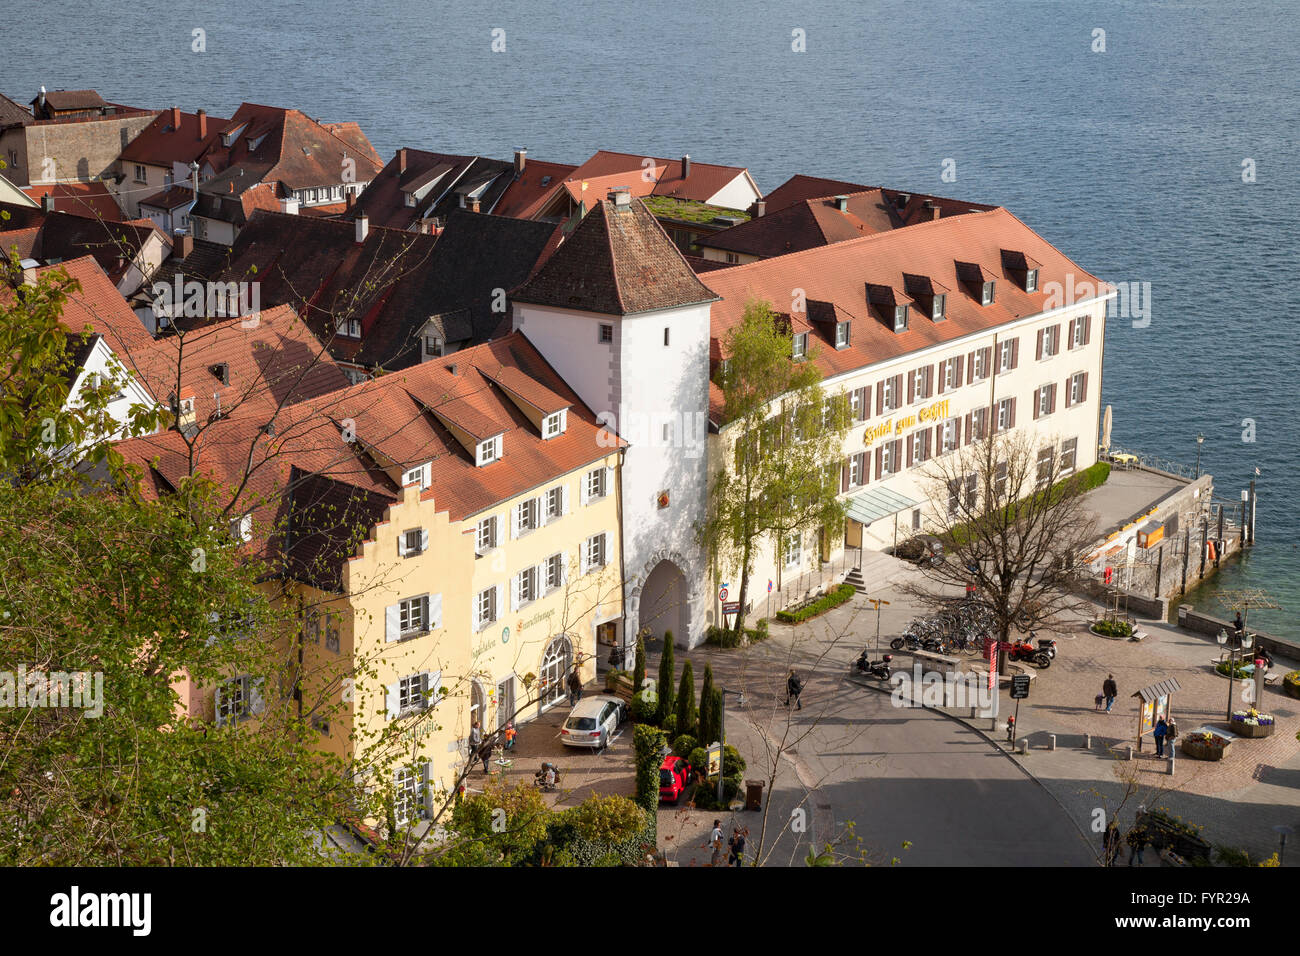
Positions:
(931, 413)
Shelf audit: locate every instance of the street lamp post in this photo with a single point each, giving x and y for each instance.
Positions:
(1246, 642)
(876, 602)
(722, 735)
(1200, 440)
(1283, 831)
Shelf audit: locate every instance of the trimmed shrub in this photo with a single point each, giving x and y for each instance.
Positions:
(687, 716)
(708, 731)
(684, 745)
(1239, 667)
(647, 744)
(644, 711)
(666, 692)
(638, 669)
(1094, 476)
(1113, 628)
(721, 637)
(569, 847)
(796, 615)
(669, 726)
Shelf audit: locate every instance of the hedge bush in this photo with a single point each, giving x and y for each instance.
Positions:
(728, 638)
(570, 847)
(837, 597)
(1113, 628)
(647, 744)
(1223, 666)
(684, 745)
(1094, 476)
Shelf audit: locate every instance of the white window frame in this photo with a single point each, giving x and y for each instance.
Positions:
(799, 347)
(487, 607)
(553, 573)
(900, 318)
(1078, 328)
(952, 427)
(141, 174)
(410, 789)
(241, 528)
(528, 516)
(555, 504)
(888, 460)
(421, 475)
(979, 423)
(553, 424)
(1006, 351)
(412, 694)
(1004, 415)
(1046, 459)
(988, 292)
(1076, 388)
(1031, 280)
(1045, 401)
(595, 551)
(888, 398)
(488, 451)
(792, 548)
(980, 364)
(842, 331)
(487, 535)
(412, 547)
(918, 446)
(949, 382)
(1051, 341)
(857, 465)
(595, 484)
(413, 616)
(605, 335)
(235, 700)
(1070, 454)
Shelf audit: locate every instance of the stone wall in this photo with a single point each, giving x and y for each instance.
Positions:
(1200, 623)
(81, 151)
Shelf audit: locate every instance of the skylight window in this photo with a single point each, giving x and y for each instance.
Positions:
(900, 318)
(987, 293)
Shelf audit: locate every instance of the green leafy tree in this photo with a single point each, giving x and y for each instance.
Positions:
(502, 826)
(667, 700)
(687, 715)
(785, 438)
(638, 669)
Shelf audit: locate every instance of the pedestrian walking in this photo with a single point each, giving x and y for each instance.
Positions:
(793, 688)
(1137, 842)
(737, 846)
(1109, 690)
(510, 735)
(575, 687)
(715, 841)
(1238, 623)
(1160, 733)
(485, 755)
(475, 739)
(1110, 843)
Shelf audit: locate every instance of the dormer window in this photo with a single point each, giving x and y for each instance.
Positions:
(937, 308)
(800, 345)
(1031, 280)
(253, 143)
(421, 475)
(241, 529)
(900, 318)
(841, 335)
(554, 424)
(432, 346)
(987, 292)
(349, 327)
(489, 450)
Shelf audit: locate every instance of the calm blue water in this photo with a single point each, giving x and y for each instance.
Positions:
(1129, 160)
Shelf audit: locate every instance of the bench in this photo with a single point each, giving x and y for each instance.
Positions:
(1138, 636)
(931, 655)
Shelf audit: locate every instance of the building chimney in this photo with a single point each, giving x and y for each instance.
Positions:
(289, 205)
(621, 197)
(203, 124)
(363, 227)
(452, 368)
(401, 160)
(182, 244)
(349, 198)
(686, 166)
(47, 201)
(221, 371)
(900, 201)
(40, 100)
(521, 157)
(932, 209)
(842, 203)
(473, 204)
(760, 209)
(176, 118)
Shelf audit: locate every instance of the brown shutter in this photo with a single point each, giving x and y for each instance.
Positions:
(844, 477)
(959, 362)
(1011, 416)
(1069, 334)
(1051, 399)
(970, 364)
(1087, 329)
(1083, 389)
(898, 388)
(1057, 329)
(926, 446)
(880, 397)
(880, 460)
(911, 387)
(970, 425)
(938, 437)
(1037, 393)
(1067, 394)
(910, 448)
(864, 404)
(1041, 333)
(1015, 352)
(864, 466)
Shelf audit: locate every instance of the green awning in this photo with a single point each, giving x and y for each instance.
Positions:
(876, 503)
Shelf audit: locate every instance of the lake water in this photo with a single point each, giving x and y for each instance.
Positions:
(1130, 160)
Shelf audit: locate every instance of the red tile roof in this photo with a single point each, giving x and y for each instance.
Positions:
(800, 187)
(704, 182)
(98, 304)
(838, 275)
(166, 141)
(173, 197)
(81, 199)
(525, 195)
(618, 261)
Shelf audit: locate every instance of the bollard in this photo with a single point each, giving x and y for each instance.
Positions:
(1024, 745)
(1087, 741)
(1171, 762)
(1130, 751)
(1051, 741)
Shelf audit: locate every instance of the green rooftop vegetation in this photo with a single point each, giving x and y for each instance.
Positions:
(689, 210)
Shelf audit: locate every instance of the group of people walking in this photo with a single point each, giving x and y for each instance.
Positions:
(735, 846)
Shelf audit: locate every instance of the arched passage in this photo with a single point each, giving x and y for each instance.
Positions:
(557, 661)
(663, 603)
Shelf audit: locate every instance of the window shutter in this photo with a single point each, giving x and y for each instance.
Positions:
(564, 499)
(925, 444)
(476, 613)
(434, 616)
(866, 402)
(932, 373)
(498, 601)
(256, 703)
(609, 481)
(911, 449)
(218, 695)
(390, 700)
(864, 466)
(880, 459)
(515, 588)
(1051, 398)
(392, 622)
(514, 521)
(970, 363)
(898, 387)
(1083, 389)
(938, 438)
(880, 397)
(1015, 352)
(844, 477)
(1087, 329)
(433, 686)
(424, 539)
(401, 544)
(1041, 333)
(1067, 394)
(582, 491)
(1011, 415)
(911, 385)
(426, 474)
(1037, 393)
(564, 567)
(969, 427)
(959, 364)
(1069, 336)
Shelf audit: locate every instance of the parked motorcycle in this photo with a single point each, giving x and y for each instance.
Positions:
(877, 669)
(1024, 651)
(1046, 645)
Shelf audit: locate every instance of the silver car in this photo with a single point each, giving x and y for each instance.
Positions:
(592, 722)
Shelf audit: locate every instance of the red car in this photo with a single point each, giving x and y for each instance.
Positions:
(674, 775)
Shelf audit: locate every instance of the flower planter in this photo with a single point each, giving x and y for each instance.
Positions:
(1291, 687)
(1203, 749)
(1112, 637)
(1243, 729)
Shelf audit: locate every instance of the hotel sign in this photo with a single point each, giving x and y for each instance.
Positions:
(892, 427)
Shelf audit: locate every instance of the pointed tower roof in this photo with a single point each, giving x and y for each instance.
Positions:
(618, 261)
